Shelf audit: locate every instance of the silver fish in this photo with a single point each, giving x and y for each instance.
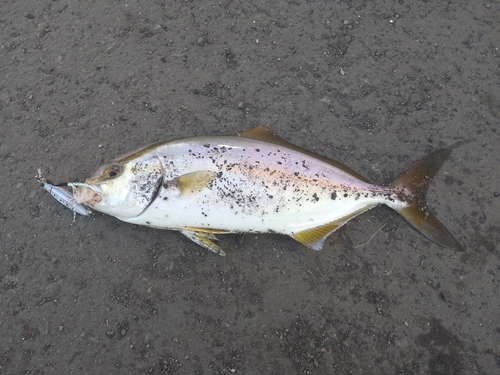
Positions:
(253, 182)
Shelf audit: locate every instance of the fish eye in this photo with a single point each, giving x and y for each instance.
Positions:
(113, 171)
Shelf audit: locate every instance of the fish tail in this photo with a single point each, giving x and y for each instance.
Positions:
(412, 186)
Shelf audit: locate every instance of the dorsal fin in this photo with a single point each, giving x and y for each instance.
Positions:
(265, 134)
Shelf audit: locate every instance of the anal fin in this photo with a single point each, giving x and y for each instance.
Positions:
(204, 239)
(314, 238)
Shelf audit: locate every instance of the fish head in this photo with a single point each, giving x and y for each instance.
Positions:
(123, 188)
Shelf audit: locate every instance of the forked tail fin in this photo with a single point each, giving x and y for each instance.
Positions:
(416, 180)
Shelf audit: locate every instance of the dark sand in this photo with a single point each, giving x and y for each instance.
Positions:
(373, 84)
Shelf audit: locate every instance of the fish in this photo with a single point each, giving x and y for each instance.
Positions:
(253, 182)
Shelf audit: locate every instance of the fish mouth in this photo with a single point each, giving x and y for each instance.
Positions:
(85, 193)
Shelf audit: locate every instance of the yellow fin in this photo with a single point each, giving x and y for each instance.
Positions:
(416, 180)
(195, 181)
(204, 239)
(265, 134)
(314, 238)
(262, 133)
(207, 230)
(426, 223)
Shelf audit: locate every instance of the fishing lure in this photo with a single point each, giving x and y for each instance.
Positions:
(62, 195)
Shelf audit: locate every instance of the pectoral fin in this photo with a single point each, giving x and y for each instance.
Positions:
(204, 239)
(192, 182)
(314, 238)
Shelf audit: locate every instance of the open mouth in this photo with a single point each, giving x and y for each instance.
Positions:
(86, 194)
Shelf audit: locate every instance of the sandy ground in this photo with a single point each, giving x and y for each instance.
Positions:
(373, 84)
